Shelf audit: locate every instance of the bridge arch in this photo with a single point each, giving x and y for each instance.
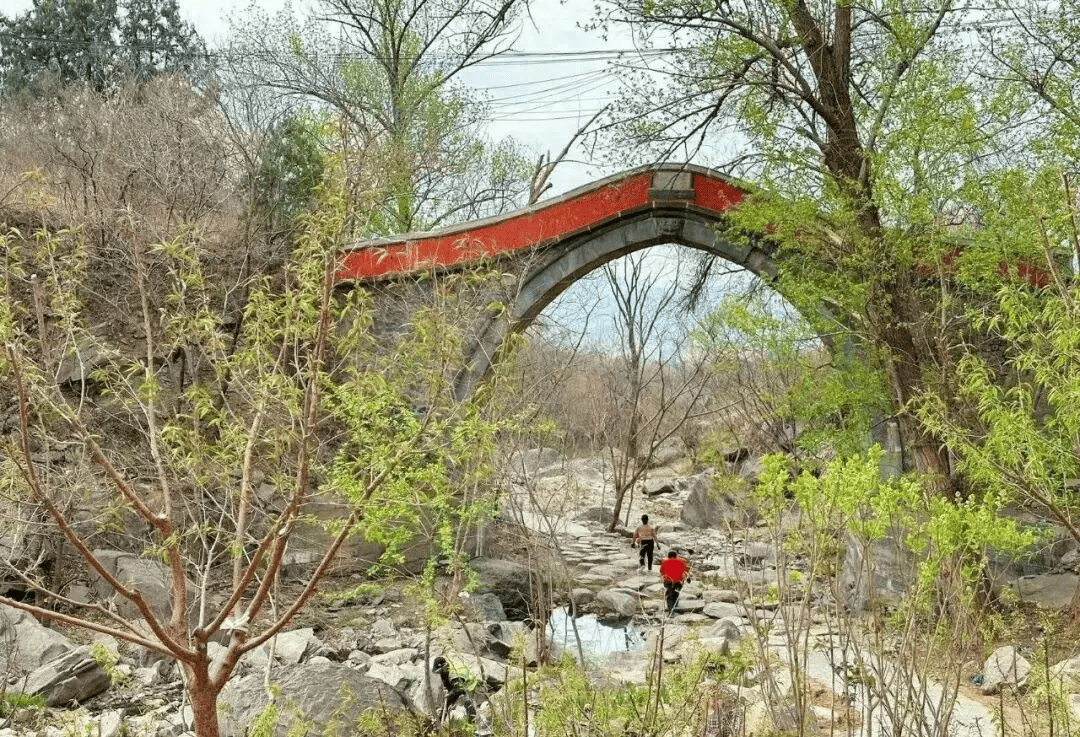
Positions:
(551, 245)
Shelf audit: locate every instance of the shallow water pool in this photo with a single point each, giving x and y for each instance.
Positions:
(597, 638)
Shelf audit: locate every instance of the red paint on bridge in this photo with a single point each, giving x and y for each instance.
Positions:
(579, 211)
(689, 188)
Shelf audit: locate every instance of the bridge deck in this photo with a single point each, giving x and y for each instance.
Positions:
(579, 211)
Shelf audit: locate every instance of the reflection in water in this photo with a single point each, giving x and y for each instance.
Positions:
(596, 638)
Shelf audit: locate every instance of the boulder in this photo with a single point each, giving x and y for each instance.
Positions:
(1067, 673)
(880, 571)
(581, 596)
(755, 554)
(658, 486)
(535, 463)
(152, 579)
(590, 473)
(294, 646)
(485, 639)
(600, 515)
(27, 643)
(669, 451)
(1005, 668)
(1051, 551)
(750, 469)
(509, 581)
(617, 600)
(722, 610)
(23, 547)
(401, 656)
(1047, 590)
(485, 607)
(317, 696)
(109, 724)
(485, 670)
(79, 362)
(74, 676)
(706, 506)
(400, 676)
(723, 636)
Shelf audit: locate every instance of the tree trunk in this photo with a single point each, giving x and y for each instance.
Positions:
(907, 362)
(203, 702)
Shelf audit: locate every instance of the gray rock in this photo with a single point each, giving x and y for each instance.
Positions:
(706, 507)
(1047, 590)
(619, 601)
(485, 607)
(599, 515)
(110, 723)
(656, 487)
(588, 472)
(152, 579)
(689, 605)
(1052, 550)
(360, 659)
(1005, 668)
(74, 676)
(401, 677)
(26, 642)
(387, 644)
(723, 636)
(383, 628)
(509, 581)
(750, 469)
(882, 571)
(535, 463)
(722, 610)
(669, 451)
(396, 657)
(491, 672)
(322, 696)
(490, 639)
(298, 565)
(581, 596)
(293, 646)
(755, 554)
(88, 355)
(22, 545)
(1067, 673)
(160, 672)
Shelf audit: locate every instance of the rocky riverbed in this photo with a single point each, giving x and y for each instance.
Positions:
(816, 665)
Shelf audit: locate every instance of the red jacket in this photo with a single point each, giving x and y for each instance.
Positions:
(674, 569)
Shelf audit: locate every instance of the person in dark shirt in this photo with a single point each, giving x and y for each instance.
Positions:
(456, 687)
(674, 572)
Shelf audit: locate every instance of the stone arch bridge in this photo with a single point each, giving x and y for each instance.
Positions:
(552, 244)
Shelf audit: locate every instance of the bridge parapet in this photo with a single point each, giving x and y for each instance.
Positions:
(687, 188)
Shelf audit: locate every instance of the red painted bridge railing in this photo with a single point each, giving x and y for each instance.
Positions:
(579, 211)
(582, 210)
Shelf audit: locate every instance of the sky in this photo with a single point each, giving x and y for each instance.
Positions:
(558, 77)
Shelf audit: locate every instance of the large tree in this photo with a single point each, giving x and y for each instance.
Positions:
(95, 42)
(861, 123)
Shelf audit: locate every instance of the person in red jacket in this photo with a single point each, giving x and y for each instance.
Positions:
(674, 572)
